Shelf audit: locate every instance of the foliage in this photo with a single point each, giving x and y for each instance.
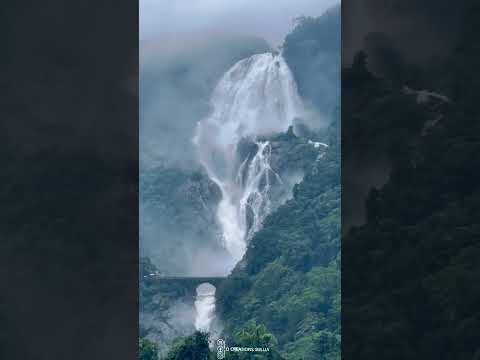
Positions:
(312, 51)
(290, 280)
(147, 350)
(422, 227)
(285, 293)
(194, 347)
(254, 335)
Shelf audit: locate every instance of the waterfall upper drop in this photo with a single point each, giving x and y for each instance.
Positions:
(257, 96)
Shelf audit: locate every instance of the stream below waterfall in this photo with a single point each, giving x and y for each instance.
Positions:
(204, 307)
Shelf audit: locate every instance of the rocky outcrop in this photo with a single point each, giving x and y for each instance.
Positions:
(177, 211)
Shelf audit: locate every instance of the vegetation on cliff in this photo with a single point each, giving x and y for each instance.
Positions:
(410, 294)
(290, 278)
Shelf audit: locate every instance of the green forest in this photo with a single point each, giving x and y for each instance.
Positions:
(286, 294)
(422, 227)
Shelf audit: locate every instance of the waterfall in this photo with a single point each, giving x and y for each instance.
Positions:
(256, 97)
(205, 307)
(255, 177)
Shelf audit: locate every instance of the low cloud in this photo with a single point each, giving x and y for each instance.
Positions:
(271, 20)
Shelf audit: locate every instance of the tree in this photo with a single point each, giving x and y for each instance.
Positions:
(256, 336)
(194, 347)
(147, 350)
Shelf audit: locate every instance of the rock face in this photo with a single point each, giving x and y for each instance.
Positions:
(177, 213)
(293, 154)
(291, 157)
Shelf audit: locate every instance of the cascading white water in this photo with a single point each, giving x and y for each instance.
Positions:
(257, 96)
(255, 177)
(205, 307)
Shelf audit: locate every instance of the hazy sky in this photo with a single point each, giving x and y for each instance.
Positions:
(270, 19)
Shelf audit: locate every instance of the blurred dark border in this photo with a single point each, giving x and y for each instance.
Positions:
(69, 180)
(410, 179)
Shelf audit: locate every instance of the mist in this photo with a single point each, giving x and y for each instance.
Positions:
(218, 107)
(271, 20)
(185, 49)
(176, 81)
(393, 36)
(408, 24)
(177, 229)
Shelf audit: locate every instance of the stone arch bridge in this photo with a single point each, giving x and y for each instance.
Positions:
(178, 286)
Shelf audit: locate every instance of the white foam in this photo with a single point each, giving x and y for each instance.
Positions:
(257, 96)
